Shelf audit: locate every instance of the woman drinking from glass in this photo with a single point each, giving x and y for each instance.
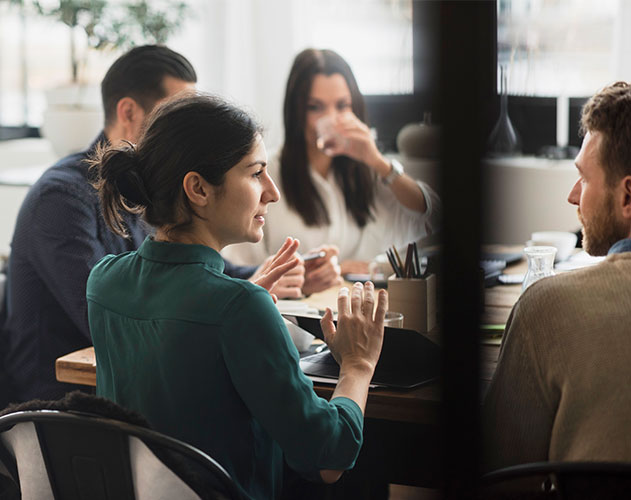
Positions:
(336, 186)
(205, 357)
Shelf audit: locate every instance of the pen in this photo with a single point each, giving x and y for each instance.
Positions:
(312, 256)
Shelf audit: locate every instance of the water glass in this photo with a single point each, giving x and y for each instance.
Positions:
(540, 264)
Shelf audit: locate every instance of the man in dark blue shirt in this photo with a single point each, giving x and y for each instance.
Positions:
(60, 233)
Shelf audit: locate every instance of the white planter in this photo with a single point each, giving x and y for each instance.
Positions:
(72, 119)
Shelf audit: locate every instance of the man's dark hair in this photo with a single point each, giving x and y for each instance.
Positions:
(609, 112)
(139, 74)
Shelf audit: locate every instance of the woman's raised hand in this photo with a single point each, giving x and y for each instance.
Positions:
(282, 274)
(353, 139)
(357, 341)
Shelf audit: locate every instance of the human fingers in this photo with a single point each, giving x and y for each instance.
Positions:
(346, 119)
(330, 251)
(351, 123)
(290, 250)
(368, 305)
(326, 271)
(328, 327)
(268, 280)
(312, 285)
(335, 149)
(279, 270)
(356, 297)
(357, 144)
(285, 292)
(343, 306)
(382, 307)
(288, 241)
(261, 270)
(291, 280)
(286, 251)
(274, 297)
(299, 270)
(322, 281)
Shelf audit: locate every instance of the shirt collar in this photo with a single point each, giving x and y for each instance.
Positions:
(620, 246)
(180, 253)
(100, 139)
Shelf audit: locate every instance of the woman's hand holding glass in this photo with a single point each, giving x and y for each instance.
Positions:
(322, 273)
(282, 272)
(345, 134)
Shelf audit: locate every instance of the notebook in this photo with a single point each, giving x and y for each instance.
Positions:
(408, 359)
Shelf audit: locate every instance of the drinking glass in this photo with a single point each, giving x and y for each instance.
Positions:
(540, 264)
(393, 319)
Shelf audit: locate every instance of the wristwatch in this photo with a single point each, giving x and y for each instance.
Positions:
(396, 170)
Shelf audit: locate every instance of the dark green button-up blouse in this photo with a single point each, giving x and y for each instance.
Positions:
(208, 359)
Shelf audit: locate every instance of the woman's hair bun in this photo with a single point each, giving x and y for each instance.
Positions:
(132, 188)
(125, 171)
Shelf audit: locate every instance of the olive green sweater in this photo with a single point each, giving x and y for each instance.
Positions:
(562, 388)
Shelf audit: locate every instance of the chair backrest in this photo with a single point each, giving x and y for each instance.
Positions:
(3, 286)
(559, 480)
(6, 385)
(54, 455)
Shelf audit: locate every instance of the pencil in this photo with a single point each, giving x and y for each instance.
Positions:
(416, 260)
(409, 267)
(398, 259)
(393, 263)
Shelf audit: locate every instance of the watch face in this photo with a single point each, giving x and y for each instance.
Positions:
(395, 171)
(397, 168)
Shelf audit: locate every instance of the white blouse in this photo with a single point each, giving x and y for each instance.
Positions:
(393, 224)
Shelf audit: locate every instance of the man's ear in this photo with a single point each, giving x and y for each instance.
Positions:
(196, 189)
(625, 187)
(129, 115)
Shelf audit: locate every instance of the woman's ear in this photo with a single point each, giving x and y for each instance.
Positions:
(197, 189)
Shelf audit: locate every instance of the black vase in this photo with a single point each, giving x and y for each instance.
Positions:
(504, 139)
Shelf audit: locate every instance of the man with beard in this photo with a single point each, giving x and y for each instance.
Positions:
(561, 388)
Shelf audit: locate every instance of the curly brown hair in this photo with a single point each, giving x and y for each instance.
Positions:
(609, 112)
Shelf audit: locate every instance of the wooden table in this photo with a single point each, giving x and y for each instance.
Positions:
(420, 405)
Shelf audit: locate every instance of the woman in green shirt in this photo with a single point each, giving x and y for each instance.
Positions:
(205, 357)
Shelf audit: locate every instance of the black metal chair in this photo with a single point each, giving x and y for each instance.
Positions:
(6, 388)
(63, 455)
(559, 480)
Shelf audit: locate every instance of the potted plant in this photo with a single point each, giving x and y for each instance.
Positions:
(74, 115)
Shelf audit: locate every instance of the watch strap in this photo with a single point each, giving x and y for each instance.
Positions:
(396, 170)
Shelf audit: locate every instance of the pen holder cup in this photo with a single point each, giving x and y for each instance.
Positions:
(415, 298)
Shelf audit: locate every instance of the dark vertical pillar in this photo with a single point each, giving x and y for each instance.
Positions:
(467, 82)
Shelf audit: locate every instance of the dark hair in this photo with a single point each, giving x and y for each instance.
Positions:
(194, 132)
(609, 112)
(139, 74)
(356, 180)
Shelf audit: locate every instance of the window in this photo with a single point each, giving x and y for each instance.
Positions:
(240, 48)
(561, 47)
(34, 57)
(377, 44)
